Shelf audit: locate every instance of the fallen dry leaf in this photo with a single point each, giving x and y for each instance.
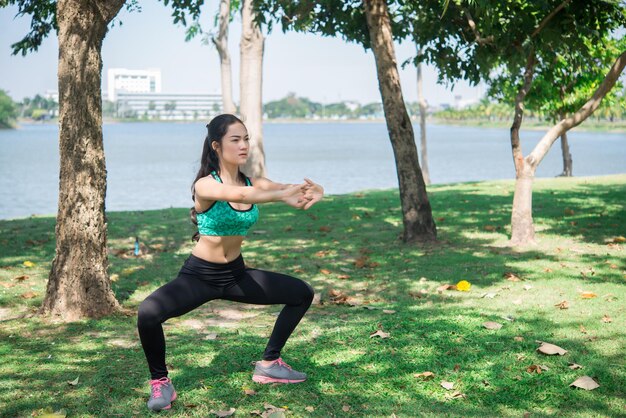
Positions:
(249, 392)
(211, 336)
(389, 311)
(619, 239)
(606, 319)
(588, 295)
(574, 366)
(512, 277)
(21, 278)
(380, 333)
(28, 295)
(527, 287)
(309, 409)
(447, 385)
(585, 382)
(224, 413)
(424, 375)
(536, 368)
(562, 305)
(28, 264)
(325, 271)
(550, 349)
(518, 338)
(325, 228)
(73, 382)
(343, 276)
(345, 408)
(446, 287)
(455, 395)
(492, 325)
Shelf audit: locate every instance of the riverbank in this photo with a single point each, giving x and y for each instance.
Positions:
(381, 337)
(586, 126)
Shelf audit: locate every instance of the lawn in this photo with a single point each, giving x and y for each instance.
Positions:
(347, 247)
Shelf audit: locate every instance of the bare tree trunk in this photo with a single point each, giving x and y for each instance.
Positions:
(221, 43)
(251, 77)
(522, 228)
(78, 284)
(422, 104)
(416, 211)
(567, 157)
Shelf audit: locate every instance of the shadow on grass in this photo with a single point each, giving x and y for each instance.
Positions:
(345, 366)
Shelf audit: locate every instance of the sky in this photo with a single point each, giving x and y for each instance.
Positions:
(320, 68)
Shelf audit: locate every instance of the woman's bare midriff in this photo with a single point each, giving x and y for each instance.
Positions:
(218, 249)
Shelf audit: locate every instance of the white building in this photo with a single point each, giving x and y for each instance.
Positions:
(166, 106)
(132, 81)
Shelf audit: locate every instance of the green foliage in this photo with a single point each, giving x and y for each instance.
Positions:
(43, 21)
(345, 19)
(37, 108)
(292, 106)
(8, 110)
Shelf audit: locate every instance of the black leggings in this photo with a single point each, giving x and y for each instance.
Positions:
(200, 281)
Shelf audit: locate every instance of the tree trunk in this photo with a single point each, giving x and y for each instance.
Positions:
(78, 284)
(416, 211)
(422, 104)
(221, 43)
(529, 164)
(567, 157)
(522, 228)
(251, 76)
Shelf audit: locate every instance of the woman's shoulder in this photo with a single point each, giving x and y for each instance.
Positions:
(206, 181)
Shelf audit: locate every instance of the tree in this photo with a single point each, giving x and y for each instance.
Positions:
(8, 111)
(78, 284)
(475, 40)
(422, 106)
(369, 23)
(562, 88)
(221, 43)
(251, 87)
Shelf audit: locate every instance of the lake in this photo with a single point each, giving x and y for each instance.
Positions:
(152, 165)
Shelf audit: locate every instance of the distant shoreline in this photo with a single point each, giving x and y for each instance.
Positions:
(608, 127)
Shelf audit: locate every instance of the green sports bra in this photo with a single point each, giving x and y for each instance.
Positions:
(222, 219)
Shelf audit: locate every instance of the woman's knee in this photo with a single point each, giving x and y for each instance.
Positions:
(149, 313)
(307, 293)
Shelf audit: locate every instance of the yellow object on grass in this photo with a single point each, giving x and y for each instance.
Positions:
(463, 285)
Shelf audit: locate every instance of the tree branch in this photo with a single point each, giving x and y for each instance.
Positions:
(546, 19)
(583, 113)
(479, 39)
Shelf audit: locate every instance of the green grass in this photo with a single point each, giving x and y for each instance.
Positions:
(429, 331)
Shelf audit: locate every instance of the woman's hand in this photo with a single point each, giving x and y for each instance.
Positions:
(313, 193)
(293, 195)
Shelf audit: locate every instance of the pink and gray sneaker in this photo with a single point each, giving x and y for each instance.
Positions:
(162, 394)
(277, 372)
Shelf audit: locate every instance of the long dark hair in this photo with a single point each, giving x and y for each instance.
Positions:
(210, 160)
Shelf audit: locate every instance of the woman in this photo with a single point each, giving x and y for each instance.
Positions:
(225, 207)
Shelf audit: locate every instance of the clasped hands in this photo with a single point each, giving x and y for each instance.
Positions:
(305, 195)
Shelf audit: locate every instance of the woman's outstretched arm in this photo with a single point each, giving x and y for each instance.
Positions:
(210, 190)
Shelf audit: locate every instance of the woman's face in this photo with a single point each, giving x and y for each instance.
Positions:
(235, 145)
